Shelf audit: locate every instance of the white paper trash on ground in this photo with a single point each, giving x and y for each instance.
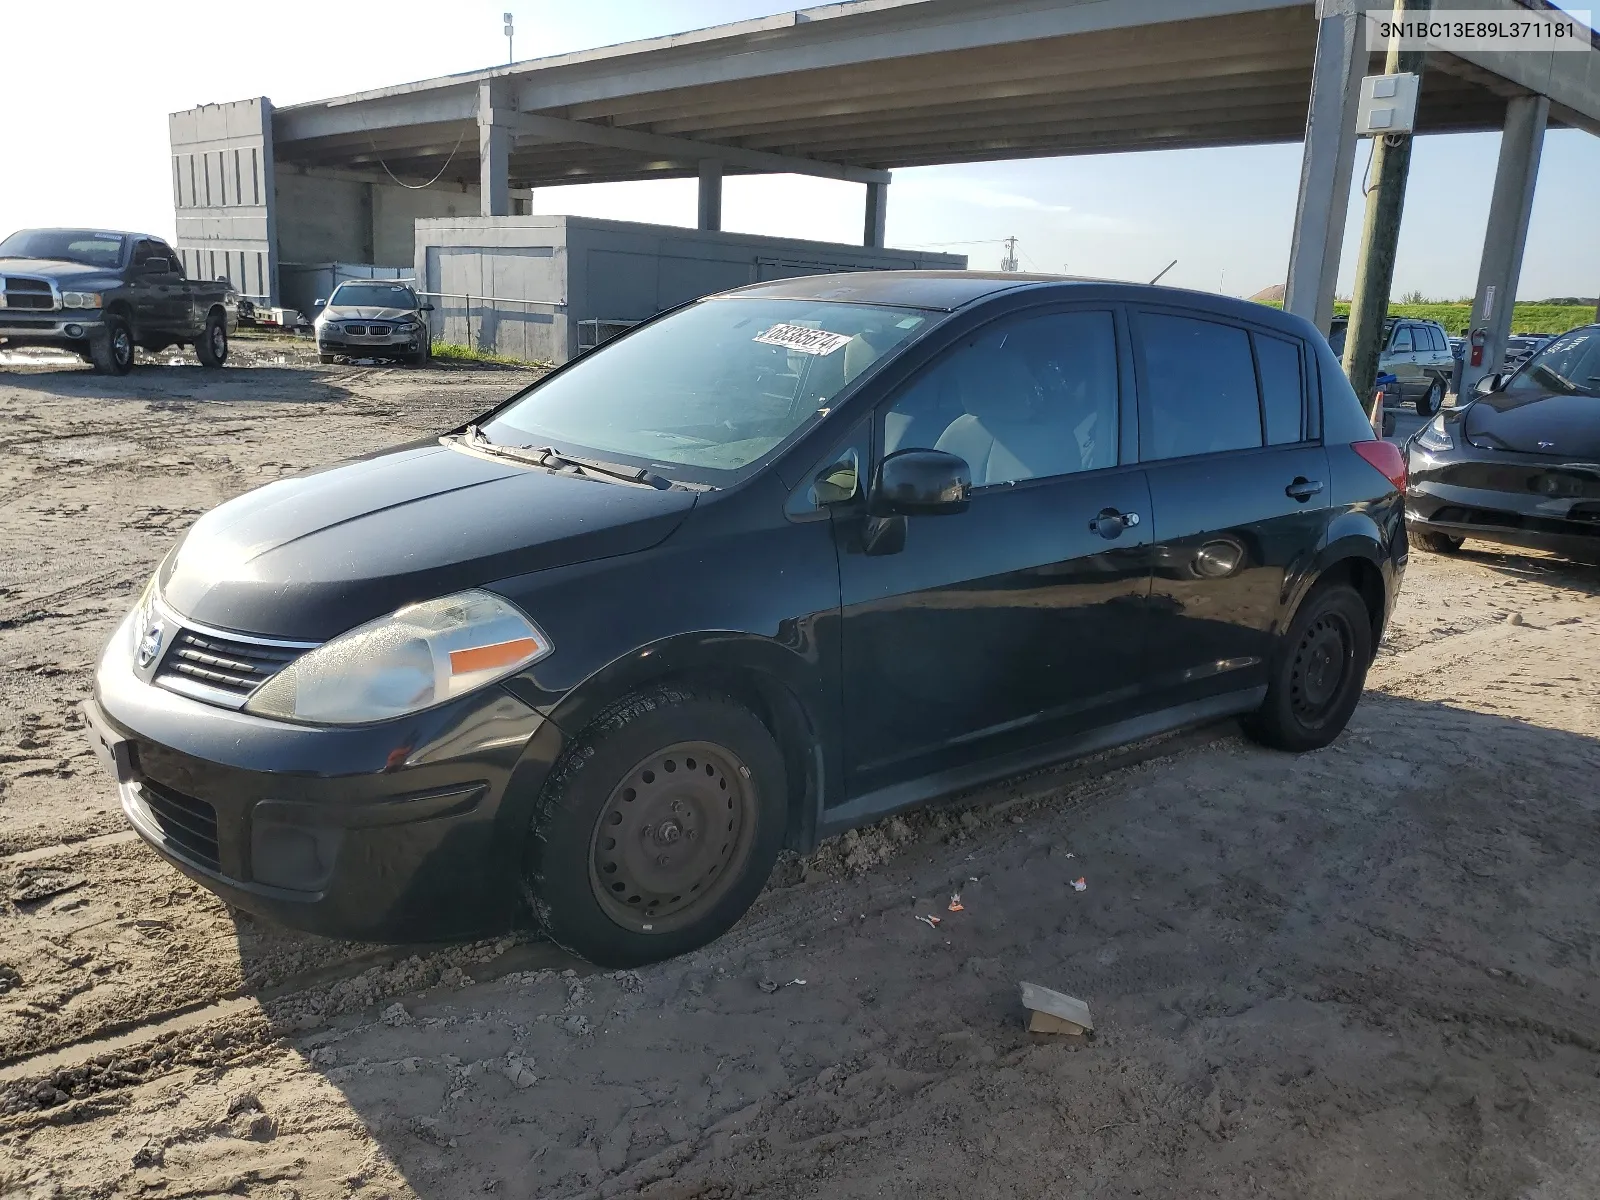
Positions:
(1054, 1012)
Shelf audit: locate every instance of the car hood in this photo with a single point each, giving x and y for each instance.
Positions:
(1520, 420)
(354, 312)
(51, 268)
(309, 557)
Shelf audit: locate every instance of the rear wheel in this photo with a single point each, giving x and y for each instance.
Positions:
(112, 352)
(657, 829)
(1430, 401)
(1437, 543)
(212, 348)
(1320, 670)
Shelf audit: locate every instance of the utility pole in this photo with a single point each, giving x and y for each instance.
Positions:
(1380, 231)
(1009, 262)
(510, 55)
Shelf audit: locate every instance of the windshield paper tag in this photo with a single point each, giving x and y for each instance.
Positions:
(806, 341)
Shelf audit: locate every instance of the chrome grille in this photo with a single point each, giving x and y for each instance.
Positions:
(223, 669)
(355, 329)
(23, 292)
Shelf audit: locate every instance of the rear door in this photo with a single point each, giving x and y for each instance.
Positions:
(1021, 620)
(1238, 484)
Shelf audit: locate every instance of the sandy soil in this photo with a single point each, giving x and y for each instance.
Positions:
(1370, 971)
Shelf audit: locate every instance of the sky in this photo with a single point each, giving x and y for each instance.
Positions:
(107, 73)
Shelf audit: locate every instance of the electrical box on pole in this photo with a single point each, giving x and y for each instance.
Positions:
(1388, 104)
(510, 55)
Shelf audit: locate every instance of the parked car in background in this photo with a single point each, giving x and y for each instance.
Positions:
(372, 318)
(767, 567)
(1519, 464)
(99, 293)
(1416, 353)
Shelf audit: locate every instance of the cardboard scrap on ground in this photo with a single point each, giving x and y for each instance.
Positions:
(1054, 1012)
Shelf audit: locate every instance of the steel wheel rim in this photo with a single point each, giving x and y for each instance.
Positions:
(692, 804)
(219, 341)
(122, 346)
(1322, 665)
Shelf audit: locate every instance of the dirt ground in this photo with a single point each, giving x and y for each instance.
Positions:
(1371, 971)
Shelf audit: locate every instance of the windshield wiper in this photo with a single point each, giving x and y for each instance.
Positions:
(546, 456)
(1560, 380)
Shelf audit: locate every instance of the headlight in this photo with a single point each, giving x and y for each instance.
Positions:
(144, 613)
(404, 326)
(81, 299)
(1433, 437)
(328, 327)
(420, 656)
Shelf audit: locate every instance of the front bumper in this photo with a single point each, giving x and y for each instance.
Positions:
(51, 329)
(1523, 500)
(363, 347)
(408, 830)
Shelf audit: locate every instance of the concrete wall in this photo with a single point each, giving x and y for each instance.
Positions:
(531, 280)
(222, 194)
(330, 217)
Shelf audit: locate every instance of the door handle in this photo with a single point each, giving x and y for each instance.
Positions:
(1302, 489)
(1109, 523)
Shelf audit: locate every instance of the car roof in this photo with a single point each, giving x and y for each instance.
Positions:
(89, 229)
(947, 291)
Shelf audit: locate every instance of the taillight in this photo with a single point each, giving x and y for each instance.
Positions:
(1386, 458)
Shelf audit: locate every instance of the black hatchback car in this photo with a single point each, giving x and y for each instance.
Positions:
(769, 566)
(1520, 464)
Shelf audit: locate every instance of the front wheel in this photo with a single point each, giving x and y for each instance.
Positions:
(1437, 543)
(1432, 400)
(212, 348)
(112, 352)
(657, 829)
(1320, 669)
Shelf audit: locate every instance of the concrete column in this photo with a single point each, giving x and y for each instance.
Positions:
(877, 214)
(710, 193)
(1509, 210)
(1326, 164)
(494, 156)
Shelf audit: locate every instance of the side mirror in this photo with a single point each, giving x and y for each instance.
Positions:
(319, 303)
(1489, 383)
(426, 308)
(921, 483)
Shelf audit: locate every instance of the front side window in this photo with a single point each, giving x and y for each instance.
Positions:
(1402, 341)
(1199, 388)
(1020, 399)
(1569, 364)
(374, 295)
(710, 390)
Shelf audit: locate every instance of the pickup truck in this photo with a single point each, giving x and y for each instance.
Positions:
(100, 293)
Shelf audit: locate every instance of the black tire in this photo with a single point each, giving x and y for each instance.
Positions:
(112, 352)
(1431, 400)
(661, 770)
(1318, 672)
(1437, 543)
(212, 348)
(326, 358)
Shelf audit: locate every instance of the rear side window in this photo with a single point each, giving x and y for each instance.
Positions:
(1282, 389)
(1440, 345)
(1199, 388)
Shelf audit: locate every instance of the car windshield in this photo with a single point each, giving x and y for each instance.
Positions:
(1570, 364)
(84, 246)
(374, 295)
(710, 390)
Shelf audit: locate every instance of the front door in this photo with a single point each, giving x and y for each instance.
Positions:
(1239, 484)
(1020, 620)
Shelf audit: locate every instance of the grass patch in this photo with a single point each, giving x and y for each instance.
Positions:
(1525, 317)
(450, 352)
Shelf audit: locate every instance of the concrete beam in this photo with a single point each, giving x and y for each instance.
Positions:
(710, 194)
(559, 129)
(494, 155)
(1510, 207)
(877, 215)
(1325, 167)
